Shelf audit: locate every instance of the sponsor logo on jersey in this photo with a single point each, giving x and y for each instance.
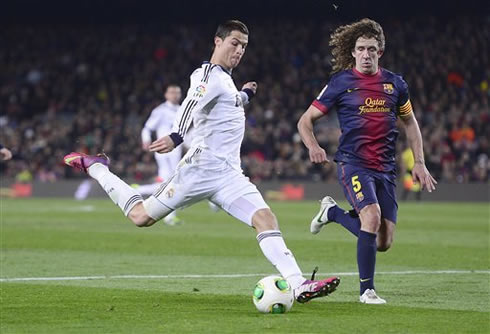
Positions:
(388, 88)
(200, 91)
(373, 105)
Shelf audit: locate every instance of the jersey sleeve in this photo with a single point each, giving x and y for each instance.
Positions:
(204, 89)
(151, 124)
(404, 106)
(327, 97)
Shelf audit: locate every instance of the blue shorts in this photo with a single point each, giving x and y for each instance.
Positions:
(363, 186)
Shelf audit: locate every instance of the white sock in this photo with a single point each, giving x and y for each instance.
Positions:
(148, 189)
(119, 191)
(275, 250)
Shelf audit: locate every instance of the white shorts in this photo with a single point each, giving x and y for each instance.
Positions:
(199, 176)
(167, 163)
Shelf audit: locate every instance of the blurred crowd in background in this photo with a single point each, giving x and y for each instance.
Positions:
(90, 88)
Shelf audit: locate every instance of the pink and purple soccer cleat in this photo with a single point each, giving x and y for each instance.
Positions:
(83, 161)
(313, 289)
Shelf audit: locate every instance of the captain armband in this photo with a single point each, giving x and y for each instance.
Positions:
(405, 109)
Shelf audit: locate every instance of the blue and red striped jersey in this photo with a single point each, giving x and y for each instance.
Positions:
(367, 107)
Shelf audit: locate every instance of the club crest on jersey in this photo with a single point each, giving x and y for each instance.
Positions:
(360, 196)
(170, 193)
(200, 91)
(388, 88)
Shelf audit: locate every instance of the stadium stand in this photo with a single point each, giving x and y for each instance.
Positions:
(91, 87)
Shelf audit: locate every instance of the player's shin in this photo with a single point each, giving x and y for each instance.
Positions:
(366, 259)
(120, 192)
(346, 219)
(275, 250)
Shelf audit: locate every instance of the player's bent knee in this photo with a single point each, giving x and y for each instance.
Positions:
(139, 216)
(370, 218)
(154, 210)
(264, 220)
(141, 220)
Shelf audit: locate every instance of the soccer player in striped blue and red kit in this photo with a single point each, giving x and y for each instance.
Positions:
(368, 100)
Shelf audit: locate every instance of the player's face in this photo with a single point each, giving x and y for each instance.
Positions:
(367, 54)
(230, 51)
(173, 94)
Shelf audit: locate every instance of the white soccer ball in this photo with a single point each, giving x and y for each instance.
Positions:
(273, 294)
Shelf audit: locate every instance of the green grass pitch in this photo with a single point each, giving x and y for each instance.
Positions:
(435, 278)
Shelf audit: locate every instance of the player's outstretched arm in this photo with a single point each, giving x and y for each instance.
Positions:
(419, 172)
(252, 85)
(305, 128)
(248, 91)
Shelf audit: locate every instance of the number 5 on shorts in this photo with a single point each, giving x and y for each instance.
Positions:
(356, 185)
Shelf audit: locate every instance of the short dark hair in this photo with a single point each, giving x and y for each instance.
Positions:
(226, 28)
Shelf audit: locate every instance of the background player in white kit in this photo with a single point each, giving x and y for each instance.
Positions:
(211, 167)
(160, 121)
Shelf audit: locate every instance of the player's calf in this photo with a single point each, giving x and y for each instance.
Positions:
(384, 239)
(383, 246)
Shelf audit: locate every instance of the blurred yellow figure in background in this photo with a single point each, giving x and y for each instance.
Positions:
(409, 185)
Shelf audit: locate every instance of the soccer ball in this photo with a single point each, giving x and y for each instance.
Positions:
(273, 294)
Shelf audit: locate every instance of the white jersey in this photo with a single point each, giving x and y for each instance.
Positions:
(215, 108)
(160, 121)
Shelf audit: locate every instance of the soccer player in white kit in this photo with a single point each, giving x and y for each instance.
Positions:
(211, 168)
(160, 121)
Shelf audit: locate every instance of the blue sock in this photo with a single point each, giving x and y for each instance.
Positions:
(352, 224)
(366, 259)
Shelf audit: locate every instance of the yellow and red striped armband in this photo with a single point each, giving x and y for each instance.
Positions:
(405, 109)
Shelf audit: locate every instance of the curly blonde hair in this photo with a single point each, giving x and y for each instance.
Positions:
(343, 41)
